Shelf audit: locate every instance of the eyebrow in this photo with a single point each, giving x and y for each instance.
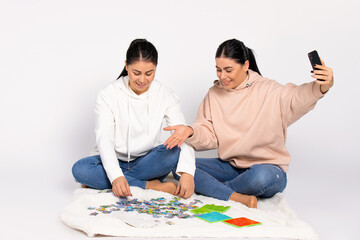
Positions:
(152, 70)
(226, 68)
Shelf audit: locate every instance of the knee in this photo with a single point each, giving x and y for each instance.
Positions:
(81, 168)
(265, 175)
(78, 170)
(171, 156)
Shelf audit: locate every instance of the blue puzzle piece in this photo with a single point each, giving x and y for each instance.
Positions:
(213, 217)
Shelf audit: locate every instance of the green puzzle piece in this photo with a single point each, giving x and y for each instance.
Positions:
(210, 208)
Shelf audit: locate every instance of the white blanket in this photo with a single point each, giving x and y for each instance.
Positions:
(278, 220)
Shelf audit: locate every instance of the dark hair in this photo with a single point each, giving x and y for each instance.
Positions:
(140, 49)
(237, 51)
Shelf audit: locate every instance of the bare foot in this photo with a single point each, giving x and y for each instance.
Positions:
(168, 187)
(247, 200)
(84, 186)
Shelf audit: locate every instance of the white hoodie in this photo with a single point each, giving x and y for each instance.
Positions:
(128, 125)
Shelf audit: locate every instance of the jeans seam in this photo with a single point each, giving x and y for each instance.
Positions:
(145, 183)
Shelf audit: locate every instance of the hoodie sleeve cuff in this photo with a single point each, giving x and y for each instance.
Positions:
(191, 140)
(114, 174)
(188, 171)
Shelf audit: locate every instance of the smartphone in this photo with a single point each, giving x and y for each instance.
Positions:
(314, 59)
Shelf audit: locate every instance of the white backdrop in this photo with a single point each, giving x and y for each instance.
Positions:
(56, 55)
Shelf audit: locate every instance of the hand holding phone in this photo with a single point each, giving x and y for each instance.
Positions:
(314, 59)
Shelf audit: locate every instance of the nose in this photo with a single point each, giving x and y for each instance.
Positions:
(222, 75)
(142, 79)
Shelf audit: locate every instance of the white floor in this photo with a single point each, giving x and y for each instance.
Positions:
(31, 203)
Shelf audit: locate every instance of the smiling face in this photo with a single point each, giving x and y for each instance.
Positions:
(141, 74)
(230, 73)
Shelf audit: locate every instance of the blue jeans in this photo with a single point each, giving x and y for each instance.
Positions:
(218, 179)
(156, 164)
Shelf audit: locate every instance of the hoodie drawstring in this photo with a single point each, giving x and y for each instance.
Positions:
(128, 143)
(129, 119)
(148, 115)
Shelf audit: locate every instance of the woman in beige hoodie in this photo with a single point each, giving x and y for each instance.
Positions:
(245, 116)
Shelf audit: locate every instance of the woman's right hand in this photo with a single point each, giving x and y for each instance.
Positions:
(181, 133)
(120, 187)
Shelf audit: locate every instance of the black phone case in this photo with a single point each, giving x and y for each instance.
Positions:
(314, 59)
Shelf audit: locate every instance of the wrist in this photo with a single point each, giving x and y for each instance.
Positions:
(325, 88)
(190, 131)
(185, 175)
(118, 179)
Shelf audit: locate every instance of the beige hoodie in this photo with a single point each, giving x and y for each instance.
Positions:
(248, 124)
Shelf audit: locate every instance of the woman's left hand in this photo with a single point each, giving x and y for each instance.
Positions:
(186, 186)
(324, 77)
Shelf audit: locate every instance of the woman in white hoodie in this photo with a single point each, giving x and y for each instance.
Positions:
(129, 115)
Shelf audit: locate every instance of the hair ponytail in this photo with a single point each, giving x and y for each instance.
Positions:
(252, 61)
(237, 51)
(123, 73)
(140, 50)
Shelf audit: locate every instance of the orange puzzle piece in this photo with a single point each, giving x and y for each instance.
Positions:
(241, 222)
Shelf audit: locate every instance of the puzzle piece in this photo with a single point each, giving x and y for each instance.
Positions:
(212, 217)
(242, 222)
(156, 207)
(210, 208)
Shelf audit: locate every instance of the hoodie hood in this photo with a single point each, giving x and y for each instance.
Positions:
(251, 78)
(123, 84)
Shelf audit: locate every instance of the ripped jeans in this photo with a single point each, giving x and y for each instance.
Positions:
(219, 179)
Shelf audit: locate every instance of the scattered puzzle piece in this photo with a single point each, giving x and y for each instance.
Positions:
(157, 207)
(210, 208)
(160, 207)
(241, 222)
(212, 217)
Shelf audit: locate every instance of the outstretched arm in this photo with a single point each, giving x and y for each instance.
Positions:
(201, 135)
(296, 101)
